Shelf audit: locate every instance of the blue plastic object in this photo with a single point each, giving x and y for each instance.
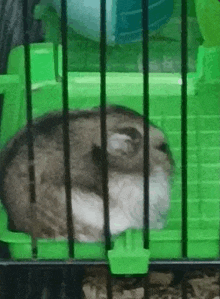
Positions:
(123, 18)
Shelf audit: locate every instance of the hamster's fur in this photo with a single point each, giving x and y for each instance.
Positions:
(125, 174)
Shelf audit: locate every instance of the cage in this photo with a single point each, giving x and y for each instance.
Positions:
(185, 105)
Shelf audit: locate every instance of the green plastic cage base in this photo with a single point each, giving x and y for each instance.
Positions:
(165, 102)
(126, 248)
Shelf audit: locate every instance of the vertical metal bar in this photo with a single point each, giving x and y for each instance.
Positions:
(184, 288)
(146, 287)
(54, 280)
(103, 123)
(29, 124)
(145, 48)
(66, 142)
(184, 124)
(184, 134)
(104, 135)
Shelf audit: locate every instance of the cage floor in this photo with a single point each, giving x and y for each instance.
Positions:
(59, 283)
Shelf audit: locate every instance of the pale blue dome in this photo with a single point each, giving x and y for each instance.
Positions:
(123, 18)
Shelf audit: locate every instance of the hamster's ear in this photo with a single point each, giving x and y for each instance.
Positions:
(124, 141)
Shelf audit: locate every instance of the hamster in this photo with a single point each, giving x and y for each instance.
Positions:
(125, 175)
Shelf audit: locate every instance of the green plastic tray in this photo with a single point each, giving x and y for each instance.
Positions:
(165, 111)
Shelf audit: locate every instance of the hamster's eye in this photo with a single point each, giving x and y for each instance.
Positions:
(163, 147)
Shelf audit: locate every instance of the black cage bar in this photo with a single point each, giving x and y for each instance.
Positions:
(66, 142)
(29, 122)
(103, 136)
(184, 124)
(103, 123)
(145, 53)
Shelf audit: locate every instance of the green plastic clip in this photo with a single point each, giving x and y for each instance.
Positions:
(128, 255)
(51, 22)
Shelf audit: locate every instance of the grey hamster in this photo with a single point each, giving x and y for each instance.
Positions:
(125, 160)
